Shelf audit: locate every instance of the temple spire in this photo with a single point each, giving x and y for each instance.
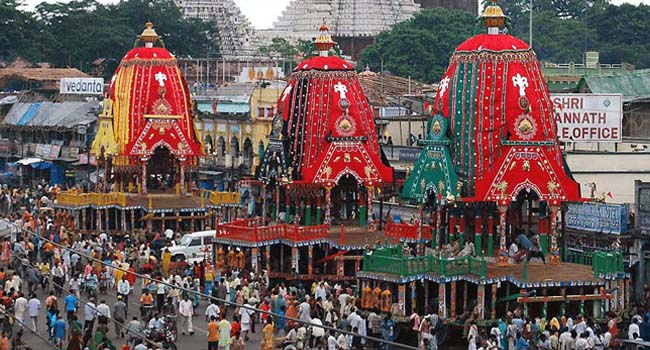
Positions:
(493, 17)
(149, 36)
(324, 42)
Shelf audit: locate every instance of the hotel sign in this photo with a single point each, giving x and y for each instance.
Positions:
(597, 217)
(589, 117)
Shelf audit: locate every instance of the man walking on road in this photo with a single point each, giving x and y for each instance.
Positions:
(213, 334)
(20, 307)
(186, 311)
(123, 289)
(34, 308)
(71, 304)
(90, 312)
(119, 313)
(134, 331)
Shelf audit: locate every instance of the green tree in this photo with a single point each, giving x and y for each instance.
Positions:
(421, 46)
(21, 34)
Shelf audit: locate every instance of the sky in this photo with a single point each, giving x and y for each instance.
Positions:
(262, 13)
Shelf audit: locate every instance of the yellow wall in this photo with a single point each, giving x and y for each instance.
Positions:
(264, 97)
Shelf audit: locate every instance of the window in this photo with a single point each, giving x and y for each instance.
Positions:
(207, 240)
(196, 242)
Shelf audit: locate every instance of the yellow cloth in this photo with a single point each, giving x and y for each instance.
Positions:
(166, 259)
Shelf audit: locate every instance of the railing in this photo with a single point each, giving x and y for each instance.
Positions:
(601, 262)
(73, 198)
(250, 230)
(607, 262)
(400, 231)
(391, 261)
(579, 257)
(218, 198)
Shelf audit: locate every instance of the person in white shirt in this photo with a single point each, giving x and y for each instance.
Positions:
(90, 312)
(33, 309)
(123, 289)
(342, 342)
(634, 328)
(186, 311)
(305, 310)
(245, 317)
(20, 307)
(103, 313)
(331, 341)
(212, 310)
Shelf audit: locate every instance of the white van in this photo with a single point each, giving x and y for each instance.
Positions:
(192, 246)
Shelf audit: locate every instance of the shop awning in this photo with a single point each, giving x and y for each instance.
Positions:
(29, 161)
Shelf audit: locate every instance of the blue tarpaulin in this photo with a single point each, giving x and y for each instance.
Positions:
(57, 174)
(31, 113)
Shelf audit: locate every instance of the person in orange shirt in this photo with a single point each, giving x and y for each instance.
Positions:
(4, 341)
(213, 334)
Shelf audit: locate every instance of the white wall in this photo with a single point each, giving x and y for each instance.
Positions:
(612, 172)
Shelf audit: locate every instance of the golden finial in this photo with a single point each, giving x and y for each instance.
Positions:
(149, 34)
(324, 41)
(493, 16)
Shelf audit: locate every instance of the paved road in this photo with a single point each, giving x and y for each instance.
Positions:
(198, 341)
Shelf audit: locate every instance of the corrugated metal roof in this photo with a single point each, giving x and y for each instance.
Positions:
(51, 114)
(634, 85)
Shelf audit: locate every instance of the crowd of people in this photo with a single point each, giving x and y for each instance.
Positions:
(47, 264)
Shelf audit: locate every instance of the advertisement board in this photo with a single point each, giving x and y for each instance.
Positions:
(597, 217)
(589, 117)
(82, 86)
(642, 201)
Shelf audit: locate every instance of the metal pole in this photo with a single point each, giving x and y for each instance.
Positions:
(530, 25)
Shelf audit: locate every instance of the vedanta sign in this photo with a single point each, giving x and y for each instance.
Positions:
(588, 117)
(82, 86)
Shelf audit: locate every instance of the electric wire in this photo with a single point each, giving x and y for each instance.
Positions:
(141, 336)
(210, 297)
(26, 326)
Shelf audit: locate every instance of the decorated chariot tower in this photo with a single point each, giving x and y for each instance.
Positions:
(492, 147)
(323, 147)
(147, 131)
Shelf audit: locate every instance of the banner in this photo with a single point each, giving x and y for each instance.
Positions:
(82, 86)
(589, 117)
(597, 217)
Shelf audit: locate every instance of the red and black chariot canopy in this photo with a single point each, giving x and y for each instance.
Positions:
(327, 125)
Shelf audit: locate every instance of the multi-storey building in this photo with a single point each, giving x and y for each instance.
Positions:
(236, 35)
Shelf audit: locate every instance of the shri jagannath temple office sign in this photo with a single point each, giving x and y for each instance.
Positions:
(597, 217)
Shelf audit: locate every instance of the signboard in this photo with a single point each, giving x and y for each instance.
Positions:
(642, 200)
(589, 117)
(409, 155)
(597, 217)
(82, 86)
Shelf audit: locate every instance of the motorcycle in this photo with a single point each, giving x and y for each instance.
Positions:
(164, 338)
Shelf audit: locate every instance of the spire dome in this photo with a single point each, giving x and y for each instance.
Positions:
(324, 42)
(493, 17)
(149, 35)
